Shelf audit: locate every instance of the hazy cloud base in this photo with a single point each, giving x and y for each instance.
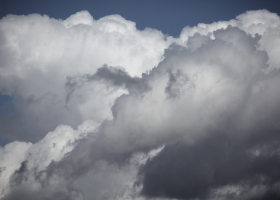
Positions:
(145, 115)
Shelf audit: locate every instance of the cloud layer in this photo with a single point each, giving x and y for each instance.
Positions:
(175, 118)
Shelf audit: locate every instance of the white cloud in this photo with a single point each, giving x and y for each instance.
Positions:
(260, 22)
(11, 157)
(37, 157)
(38, 53)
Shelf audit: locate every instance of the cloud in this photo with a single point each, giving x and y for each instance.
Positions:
(187, 172)
(38, 53)
(23, 165)
(114, 77)
(210, 97)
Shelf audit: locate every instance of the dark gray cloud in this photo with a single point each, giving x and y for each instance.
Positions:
(271, 194)
(192, 171)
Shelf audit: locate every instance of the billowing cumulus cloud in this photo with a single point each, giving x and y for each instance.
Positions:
(26, 163)
(39, 54)
(194, 117)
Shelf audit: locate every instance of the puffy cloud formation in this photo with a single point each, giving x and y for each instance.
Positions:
(39, 54)
(194, 117)
(25, 163)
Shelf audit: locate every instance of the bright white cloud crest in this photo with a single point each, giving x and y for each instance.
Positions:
(221, 77)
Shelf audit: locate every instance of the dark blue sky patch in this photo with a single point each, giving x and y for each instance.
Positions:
(4, 141)
(6, 105)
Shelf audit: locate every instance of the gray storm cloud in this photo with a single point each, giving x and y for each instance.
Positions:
(194, 117)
